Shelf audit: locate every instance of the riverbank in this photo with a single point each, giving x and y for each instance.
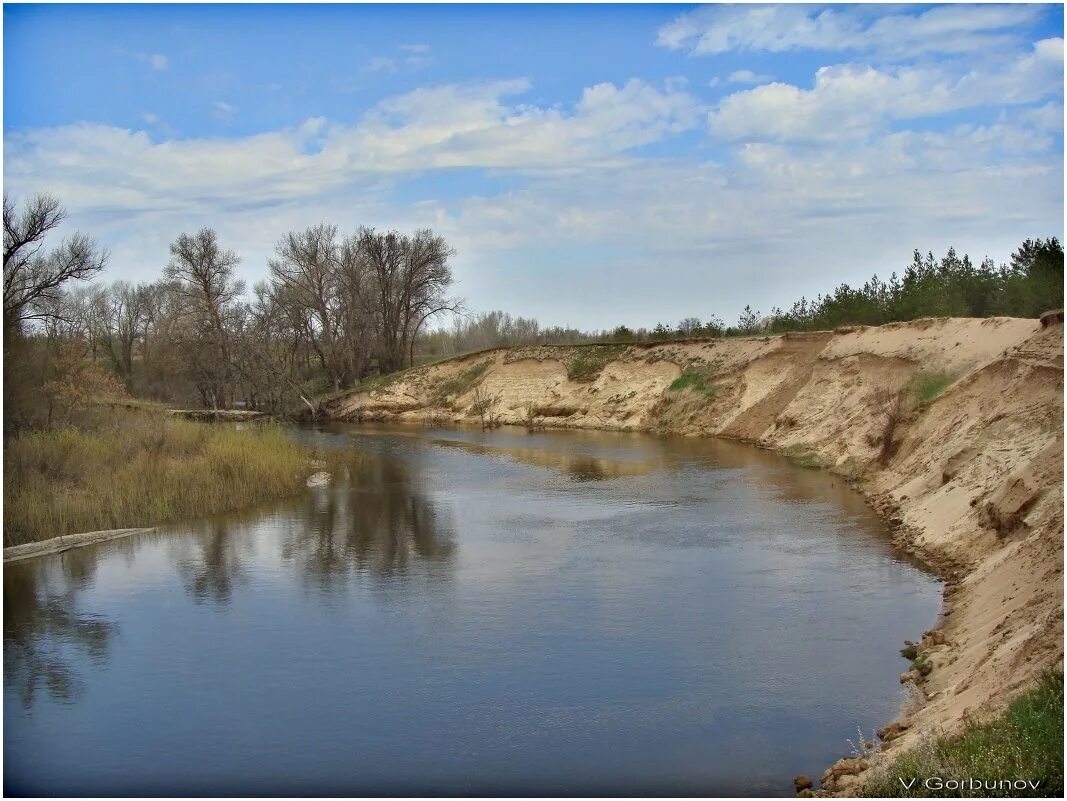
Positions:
(117, 467)
(953, 428)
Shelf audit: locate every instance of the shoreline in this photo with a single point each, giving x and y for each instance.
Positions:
(969, 480)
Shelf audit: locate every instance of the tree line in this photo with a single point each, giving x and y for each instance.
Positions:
(333, 310)
(1028, 285)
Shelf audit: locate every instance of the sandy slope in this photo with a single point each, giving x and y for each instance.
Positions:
(974, 484)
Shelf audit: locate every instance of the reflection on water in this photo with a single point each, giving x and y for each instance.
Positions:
(216, 569)
(578, 466)
(40, 628)
(378, 523)
(465, 612)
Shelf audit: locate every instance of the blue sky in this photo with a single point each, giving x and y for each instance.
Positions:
(591, 164)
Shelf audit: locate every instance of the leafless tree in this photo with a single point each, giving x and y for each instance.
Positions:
(309, 276)
(203, 276)
(33, 276)
(409, 277)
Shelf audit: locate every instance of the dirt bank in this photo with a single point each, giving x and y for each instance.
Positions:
(952, 427)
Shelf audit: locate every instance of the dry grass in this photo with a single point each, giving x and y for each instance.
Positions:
(128, 467)
(891, 403)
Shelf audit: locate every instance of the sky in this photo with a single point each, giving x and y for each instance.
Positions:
(591, 165)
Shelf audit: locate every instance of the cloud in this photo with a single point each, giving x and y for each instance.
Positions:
(381, 64)
(413, 58)
(223, 111)
(763, 220)
(747, 76)
(856, 100)
(950, 29)
(445, 127)
(157, 61)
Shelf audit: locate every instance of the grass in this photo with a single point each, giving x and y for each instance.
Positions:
(456, 386)
(696, 380)
(929, 385)
(587, 362)
(802, 457)
(129, 467)
(1025, 742)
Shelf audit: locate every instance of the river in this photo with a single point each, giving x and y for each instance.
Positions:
(471, 613)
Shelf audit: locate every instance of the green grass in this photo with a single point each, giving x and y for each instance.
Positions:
(588, 361)
(459, 384)
(929, 385)
(129, 467)
(1025, 742)
(696, 380)
(802, 457)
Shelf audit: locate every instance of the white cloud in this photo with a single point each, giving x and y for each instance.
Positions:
(414, 57)
(747, 76)
(381, 64)
(157, 61)
(764, 222)
(779, 28)
(97, 166)
(223, 111)
(851, 99)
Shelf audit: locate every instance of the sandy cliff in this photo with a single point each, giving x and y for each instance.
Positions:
(971, 477)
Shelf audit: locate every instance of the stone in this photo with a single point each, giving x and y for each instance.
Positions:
(803, 782)
(934, 637)
(892, 731)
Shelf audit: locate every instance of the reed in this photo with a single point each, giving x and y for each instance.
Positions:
(130, 467)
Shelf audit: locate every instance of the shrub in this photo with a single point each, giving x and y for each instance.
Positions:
(890, 404)
(484, 407)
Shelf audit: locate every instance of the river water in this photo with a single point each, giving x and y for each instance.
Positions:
(470, 613)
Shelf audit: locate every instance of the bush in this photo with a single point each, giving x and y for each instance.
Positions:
(890, 404)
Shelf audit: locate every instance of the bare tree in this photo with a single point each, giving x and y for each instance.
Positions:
(307, 269)
(203, 277)
(409, 278)
(32, 276)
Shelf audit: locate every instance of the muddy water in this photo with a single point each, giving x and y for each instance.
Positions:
(468, 613)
